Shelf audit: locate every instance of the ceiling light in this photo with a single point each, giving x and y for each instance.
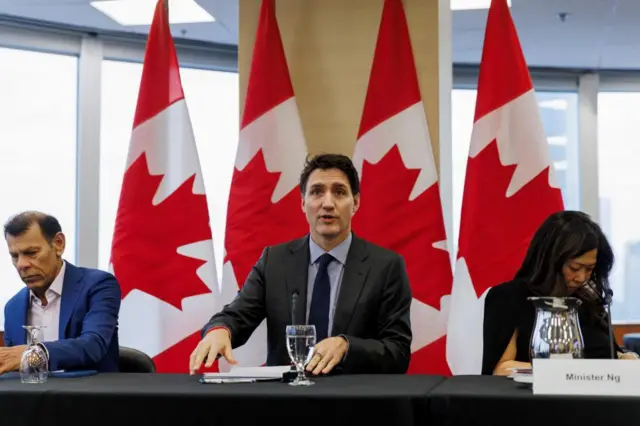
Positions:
(558, 103)
(140, 12)
(472, 4)
(561, 165)
(557, 140)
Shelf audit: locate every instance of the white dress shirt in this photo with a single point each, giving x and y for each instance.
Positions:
(49, 314)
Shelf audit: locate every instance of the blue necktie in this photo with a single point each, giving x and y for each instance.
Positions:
(319, 311)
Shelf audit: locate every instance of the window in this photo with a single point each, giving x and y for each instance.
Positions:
(559, 114)
(38, 162)
(619, 188)
(212, 98)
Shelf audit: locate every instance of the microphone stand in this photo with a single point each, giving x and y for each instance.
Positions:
(608, 299)
(289, 376)
(294, 303)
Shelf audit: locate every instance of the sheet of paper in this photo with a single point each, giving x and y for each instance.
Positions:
(220, 380)
(251, 373)
(271, 372)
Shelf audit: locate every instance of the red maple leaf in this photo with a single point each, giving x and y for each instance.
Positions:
(387, 218)
(495, 231)
(431, 359)
(254, 221)
(146, 237)
(176, 358)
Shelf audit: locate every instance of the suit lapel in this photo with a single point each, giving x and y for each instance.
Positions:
(353, 279)
(296, 279)
(18, 333)
(69, 297)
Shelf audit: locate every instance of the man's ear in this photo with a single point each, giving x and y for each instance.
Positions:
(356, 203)
(59, 243)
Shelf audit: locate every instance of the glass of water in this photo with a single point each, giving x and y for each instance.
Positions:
(34, 363)
(301, 341)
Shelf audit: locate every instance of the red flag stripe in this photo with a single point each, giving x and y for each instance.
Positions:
(160, 84)
(504, 74)
(388, 94)
(269, 82)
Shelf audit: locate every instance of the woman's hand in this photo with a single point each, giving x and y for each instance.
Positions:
(628, 355)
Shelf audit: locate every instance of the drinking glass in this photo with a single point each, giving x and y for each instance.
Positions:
(34, 364)
(301, 341)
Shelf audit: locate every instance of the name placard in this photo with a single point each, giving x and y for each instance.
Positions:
(586, 377)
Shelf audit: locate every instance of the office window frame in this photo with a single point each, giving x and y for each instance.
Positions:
(91, 48)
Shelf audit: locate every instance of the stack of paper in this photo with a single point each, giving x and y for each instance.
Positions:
(521, 375)
(246, 374)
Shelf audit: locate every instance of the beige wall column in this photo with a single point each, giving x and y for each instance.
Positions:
(329, 46)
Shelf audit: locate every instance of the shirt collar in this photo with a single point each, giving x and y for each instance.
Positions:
(339, 252)
(56, 285)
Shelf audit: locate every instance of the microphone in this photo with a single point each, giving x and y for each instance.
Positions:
(290, 375)
(588, 292)
(294, 302)
(608, 298)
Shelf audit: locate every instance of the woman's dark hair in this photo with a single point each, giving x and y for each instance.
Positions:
(561, 237)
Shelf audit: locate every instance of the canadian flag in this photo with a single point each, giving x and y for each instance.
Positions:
(400, 204)
(162, 249)
(264, 199)
(510, 187)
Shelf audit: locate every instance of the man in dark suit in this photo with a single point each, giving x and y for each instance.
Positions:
(78, 307)
(355, 293)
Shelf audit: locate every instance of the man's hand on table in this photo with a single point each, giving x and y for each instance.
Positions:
(328, 354)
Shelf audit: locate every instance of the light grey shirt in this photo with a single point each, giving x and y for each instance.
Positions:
(335, 271)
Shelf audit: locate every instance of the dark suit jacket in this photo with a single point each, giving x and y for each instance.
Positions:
(372, 310)
(507, 309)
(88, 331)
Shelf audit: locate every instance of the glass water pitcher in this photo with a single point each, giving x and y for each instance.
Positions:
(556, 331)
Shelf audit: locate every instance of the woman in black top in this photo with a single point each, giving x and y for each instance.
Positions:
(569, 255)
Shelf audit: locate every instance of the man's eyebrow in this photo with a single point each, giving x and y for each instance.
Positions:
(30, 248)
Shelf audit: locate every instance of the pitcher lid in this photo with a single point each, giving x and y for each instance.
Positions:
(556, 302)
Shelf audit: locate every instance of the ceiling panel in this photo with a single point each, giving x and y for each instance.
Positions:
(588, 37)
(594, 34)
(81, 13)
